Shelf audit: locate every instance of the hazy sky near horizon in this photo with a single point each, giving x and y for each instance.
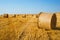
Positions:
(29, 6)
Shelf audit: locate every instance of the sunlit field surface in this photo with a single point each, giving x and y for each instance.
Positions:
(25, 27)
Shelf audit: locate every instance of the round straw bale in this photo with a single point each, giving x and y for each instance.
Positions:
(12, 15)
(47, 20)
(5, 15)
(58, 20)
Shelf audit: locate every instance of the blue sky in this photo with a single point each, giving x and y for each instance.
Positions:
(29, 6)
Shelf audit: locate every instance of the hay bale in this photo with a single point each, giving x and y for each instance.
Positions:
(5, 15)
(11, 15)
(58, 20)
(47, 21)
(21, 15)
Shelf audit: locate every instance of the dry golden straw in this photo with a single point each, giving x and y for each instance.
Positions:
(58, 20)
(25, 26)
(47, 21)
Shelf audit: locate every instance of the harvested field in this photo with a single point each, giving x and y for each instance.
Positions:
(27, 27)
